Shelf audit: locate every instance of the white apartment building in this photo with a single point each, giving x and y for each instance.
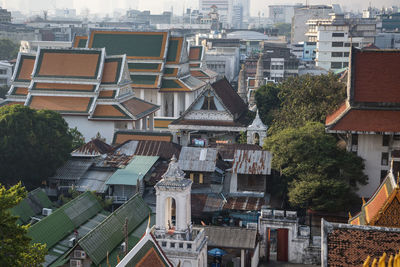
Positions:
(5, 73)
(225, 10)
(335, 36)
(224, 61)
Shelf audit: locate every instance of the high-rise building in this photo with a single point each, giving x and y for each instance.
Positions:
(282, 13)
(225, 10)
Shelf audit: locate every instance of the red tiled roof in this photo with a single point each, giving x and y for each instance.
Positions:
(332, 117)
(369, 121)
(376, 203)
(376, 76)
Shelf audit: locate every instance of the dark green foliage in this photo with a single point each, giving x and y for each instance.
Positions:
(33, 144)
(15, 247)
(284, 29)
(77, 138)
(8, 49)
(307, 98)
(317, 173)
(268, 102)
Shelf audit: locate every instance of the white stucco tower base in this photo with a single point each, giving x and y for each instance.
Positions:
(256, 131)
(182, 243)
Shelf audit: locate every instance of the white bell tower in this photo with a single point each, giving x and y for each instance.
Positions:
(182, 243)
(256, 131)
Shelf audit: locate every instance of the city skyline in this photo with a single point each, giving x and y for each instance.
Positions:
(257, 7)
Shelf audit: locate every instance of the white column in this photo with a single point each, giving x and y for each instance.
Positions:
(159, 102)
(151, 122)
(141, 94)
(242, 258)
(176, 105)
(160, 212)
(144, 123)
(187, 100)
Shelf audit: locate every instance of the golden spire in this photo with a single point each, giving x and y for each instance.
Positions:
(350, 215)
(363, 200)
(398, 177)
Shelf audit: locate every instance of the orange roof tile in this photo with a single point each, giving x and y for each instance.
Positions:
(368, 121)
(68, 63)
(197, 65)
(25, 69)
(64, 87)
(372, 208)
(109, 111)
(110, 72)
(121, 137)
(151, 258)
(138, 107)
(107, 94)
(195, 53)
(198, 74)
(20, 91)
(61, 104)
(375, 74)
(158, 123)
(332, 117)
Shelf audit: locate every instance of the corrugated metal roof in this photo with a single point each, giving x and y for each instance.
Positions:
(53, 228)
(227, 151)
(231, 237)
(244, 203)
(73, 169)
(198, 159)
(252, 162)
(94, 180)
(108, 235)
(162, 149)
(95, 147)
(134, 171)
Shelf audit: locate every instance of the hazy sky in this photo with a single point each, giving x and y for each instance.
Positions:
(157, 6)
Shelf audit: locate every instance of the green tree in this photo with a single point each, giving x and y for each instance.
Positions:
(77, 138)
(284, 29)
(15, 246)
(307, 98)
(268, 102)
(8, 49)
(33, 144)
(315, 171)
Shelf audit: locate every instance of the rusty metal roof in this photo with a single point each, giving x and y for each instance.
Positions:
(198, 159)
(244, 203)
(231, 237)
(252, 162)
(95, 147)
(164, 150)
(227, 151)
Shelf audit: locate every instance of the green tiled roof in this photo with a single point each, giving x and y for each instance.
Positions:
(134, 171)
(170, 84)
(133, 44)
(31, 206)
(144, 79)
(169, 70)
(108, 235)
(64, 220)
(82, 43)
(172, 50)
(143, 66)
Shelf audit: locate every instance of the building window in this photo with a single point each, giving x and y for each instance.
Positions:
(172, 245)
(354, 140)
(347, 45)
(3, 71)
(345, 64)
(192, 177)
(337, 54)
(338, 34)
(336, 65)
(189, 246)
(337, 44)
(346, 54)
(385, 140)
(385, 159)
(396, 137)
(201, 178)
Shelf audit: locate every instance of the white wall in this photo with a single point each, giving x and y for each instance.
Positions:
(370, 148)
(90, 129)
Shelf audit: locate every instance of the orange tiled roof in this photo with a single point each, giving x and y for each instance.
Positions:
(372, 208)
(138, 107)
(375, 74)
(20, 91)
(68, 63)
(151, 258)
(195, 53)
(111, 71)
(25, 68)
(107, 94)
(373, 120)
(61, 103)
(332, 117)
(109, 111)
(64, 87)
(121, 137)
(198, 74)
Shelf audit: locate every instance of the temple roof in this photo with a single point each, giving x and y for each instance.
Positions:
(80, 41)
(24, 67)
(383, 204)
(69, 63)
(62, 104)
(373, 98)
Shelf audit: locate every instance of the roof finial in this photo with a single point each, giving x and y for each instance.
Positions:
(363, 200)
(148, 225)
(350, 215)
(391, 166)
(398, 178)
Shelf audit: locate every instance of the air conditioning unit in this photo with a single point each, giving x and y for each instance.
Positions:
(46, 212)
(79, 254)
(72, 242)
(75, 263)
(123, 246)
